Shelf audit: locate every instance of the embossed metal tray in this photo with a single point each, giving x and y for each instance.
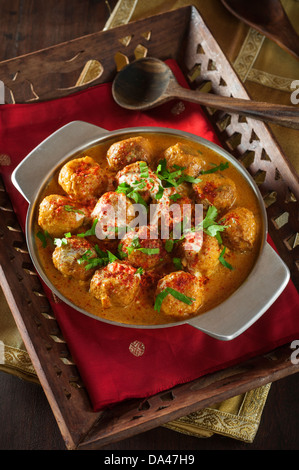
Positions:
(58, 71)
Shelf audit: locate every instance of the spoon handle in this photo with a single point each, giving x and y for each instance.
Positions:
(287, 116)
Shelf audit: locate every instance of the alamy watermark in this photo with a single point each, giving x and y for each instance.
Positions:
(295, 353)
(295, 93)
(1, 352)
(2, 93)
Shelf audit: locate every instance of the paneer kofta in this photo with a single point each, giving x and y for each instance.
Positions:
(101, 229)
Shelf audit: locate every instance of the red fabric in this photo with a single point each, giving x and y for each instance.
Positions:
(101, 351)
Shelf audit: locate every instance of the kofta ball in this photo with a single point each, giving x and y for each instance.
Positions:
(203, 260)
(58, 215)
(116, 284)
(181, 282)
(216, 190)
(139, 248)
(114, 212)
(240, 229)
(128, 151)
(140, 178)
(184, 156)
(82, 179)
(72, 257)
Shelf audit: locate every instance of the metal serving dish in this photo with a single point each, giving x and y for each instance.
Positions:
(262, 287)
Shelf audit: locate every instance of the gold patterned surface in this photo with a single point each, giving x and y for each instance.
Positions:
(268, 73)
(255, 60)
(17, 362)
(238, 417)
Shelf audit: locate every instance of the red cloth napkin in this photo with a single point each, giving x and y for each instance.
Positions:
(118, 363)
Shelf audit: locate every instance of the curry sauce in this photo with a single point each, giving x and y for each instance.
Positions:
(216, 286)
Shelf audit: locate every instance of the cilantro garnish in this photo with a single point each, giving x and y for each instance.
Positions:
(135, 245)
(121, 253)
(223, 261)
(210, 226)
(132, 191)
(173, 178)
(90, 232)
(149, 251)
(103, 258)
(143, 170)
(43, 237)
(174, 197)
(72, 209)
(221, 167)
(177, 263)
(160, 192)
(176, 294)
(169, 245)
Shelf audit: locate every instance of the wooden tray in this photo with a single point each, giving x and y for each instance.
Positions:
(60, 70)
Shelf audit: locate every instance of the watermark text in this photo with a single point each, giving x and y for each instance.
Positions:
(2, 94)
(295, 93)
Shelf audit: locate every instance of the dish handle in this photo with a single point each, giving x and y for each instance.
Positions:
(243, 308)
(74, 136)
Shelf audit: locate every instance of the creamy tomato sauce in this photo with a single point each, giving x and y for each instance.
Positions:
(219, 285)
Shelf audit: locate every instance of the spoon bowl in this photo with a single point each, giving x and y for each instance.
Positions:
(142, 84)
(149, 82)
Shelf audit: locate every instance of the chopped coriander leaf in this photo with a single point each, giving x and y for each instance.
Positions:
(164, 174)
(43, 236)
(94, 262)
(132, 191)
(135, 245)
(211, 214)
(111, 257)
(160, 192)
(188, 179)
(72, 209)
(176, 294)
(178, 167)
(177, 262)
(135, 242)
(86, 256)
(123, 188)
(139, 271)
(214, 231)
(149, 251)
(68, 235)
(223, 261)
(103, 258)
(221, 167)
(174, 197)
(121, 253)
(161, 166)
(143, 170)
(173, 178)
(210, 226)
(169, 245)
(91, 231)
(100, 252)
(137, 198)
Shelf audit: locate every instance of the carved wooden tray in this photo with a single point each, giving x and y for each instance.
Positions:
(63, 69)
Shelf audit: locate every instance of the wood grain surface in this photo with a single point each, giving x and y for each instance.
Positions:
(27, 420)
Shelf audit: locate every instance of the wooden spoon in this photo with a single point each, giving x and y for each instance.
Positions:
(149, 82)
(269, 18)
